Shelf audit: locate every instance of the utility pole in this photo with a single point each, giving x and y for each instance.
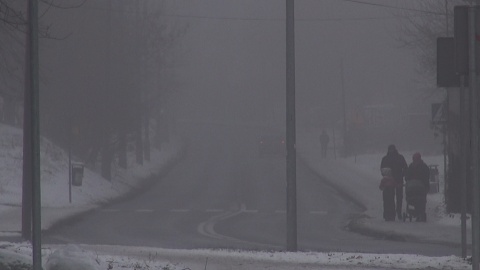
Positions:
(474, 121)
(346, 141)
(31, 158)
(291, 140)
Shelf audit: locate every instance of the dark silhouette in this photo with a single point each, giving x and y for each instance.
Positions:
(396, 162)
(324, 139)
(417, 186)
(387, 186)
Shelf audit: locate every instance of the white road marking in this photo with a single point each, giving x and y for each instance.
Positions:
(243, 209)
(319, 212)
(110, 210)
(207, 228)
(144, 210)
(180, 210)
(214, 210)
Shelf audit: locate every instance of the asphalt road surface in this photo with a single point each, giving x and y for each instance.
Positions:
(224, 195)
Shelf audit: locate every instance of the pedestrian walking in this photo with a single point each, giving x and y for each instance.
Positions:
(396, 162)
(324, 140)
(417, 185)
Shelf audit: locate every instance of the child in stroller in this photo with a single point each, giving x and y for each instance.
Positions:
(416, 189)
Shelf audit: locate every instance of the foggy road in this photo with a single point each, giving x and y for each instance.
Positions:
(224, 195)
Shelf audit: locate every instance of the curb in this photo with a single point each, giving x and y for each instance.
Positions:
(357, 225)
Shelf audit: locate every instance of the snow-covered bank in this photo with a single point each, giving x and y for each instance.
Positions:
(143, 258)
(55, 196)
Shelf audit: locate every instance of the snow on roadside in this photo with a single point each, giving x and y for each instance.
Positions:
(54, 174)
(139, 258)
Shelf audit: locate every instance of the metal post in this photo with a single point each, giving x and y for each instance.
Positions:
(291, 151)
(334, 144)
(70, 160)
(27, 149)
(465, 141)
(35, 137)
(346, 139)
(474, 121)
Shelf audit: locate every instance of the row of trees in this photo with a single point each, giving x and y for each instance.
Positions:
(101, 66)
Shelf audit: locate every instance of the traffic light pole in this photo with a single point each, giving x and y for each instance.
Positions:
(291, 140)
(474, 121)
(465, 140)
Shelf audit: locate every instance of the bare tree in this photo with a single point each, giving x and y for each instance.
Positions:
(421, 23)
(12, 53)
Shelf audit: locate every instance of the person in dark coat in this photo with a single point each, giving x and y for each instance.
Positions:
(396, 162)
(387, 186)
(417, 180)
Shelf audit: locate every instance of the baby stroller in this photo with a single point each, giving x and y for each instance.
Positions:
(414, 195)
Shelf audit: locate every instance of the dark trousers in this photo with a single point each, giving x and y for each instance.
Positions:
(389, 204)
(399, 200)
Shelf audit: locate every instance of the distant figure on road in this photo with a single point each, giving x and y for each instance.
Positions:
(398, 165)
(324, 139)
(417, 185)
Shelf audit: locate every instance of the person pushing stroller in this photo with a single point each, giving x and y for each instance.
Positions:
(416, 186)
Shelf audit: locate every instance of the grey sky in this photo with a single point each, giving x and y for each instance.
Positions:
(233, 56)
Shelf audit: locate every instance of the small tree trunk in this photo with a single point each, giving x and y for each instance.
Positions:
(139, 141)
(147, 135)
(107, 157)
(122, 150)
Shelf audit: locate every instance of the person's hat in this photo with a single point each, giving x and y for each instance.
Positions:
(392, 148)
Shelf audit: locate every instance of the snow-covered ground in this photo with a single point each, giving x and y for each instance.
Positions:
(95, 190)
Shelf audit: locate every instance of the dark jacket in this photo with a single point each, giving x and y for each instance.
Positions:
(396, 162)
(418, 170)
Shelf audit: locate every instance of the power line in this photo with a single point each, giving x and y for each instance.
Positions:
(395, 7)
(225, 18)
(281, 19)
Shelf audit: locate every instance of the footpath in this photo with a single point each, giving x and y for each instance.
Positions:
(359, 177)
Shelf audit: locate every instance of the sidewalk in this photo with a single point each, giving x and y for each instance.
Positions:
(358, 178)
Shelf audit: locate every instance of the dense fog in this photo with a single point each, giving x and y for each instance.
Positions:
(122, 62)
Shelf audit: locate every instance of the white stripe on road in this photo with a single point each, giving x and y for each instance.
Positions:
(319, 212)
(214, 210)
(180, 210)
(110, 210)
(144, 210)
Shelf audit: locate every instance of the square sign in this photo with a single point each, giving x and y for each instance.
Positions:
(438, 115)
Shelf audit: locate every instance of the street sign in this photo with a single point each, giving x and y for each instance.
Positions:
(438, 115)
